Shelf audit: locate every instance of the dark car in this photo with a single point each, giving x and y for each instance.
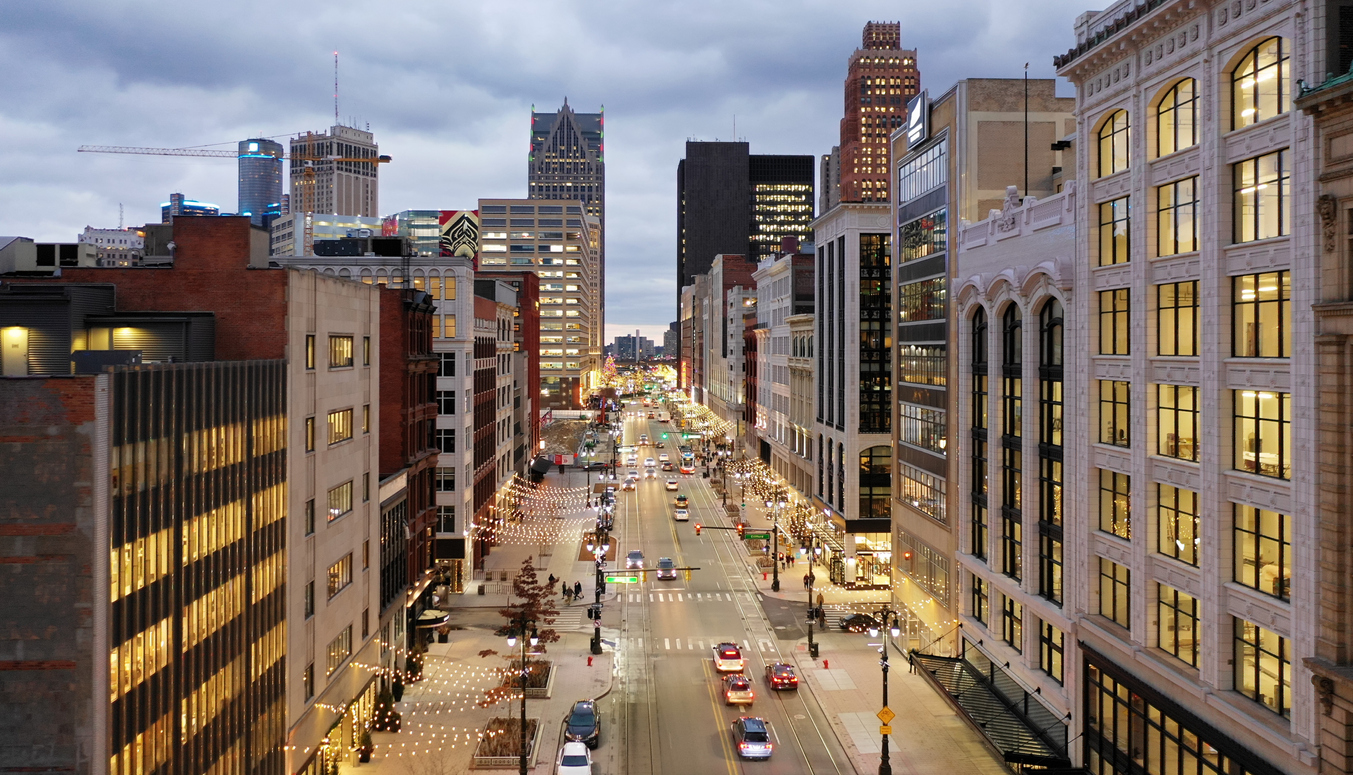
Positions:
(584, 725)
(751, 736)
(781, 676)
(858, 623)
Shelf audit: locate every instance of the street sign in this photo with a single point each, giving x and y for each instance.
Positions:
(758, 536)
(886, 715)
(885, 730)
(622, 578)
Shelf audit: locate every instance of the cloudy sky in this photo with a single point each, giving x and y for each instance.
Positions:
(447, 88)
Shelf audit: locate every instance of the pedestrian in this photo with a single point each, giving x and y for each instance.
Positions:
(551, 581)
(819, 600)
(565, 590)
(805, 581)
(577, 589)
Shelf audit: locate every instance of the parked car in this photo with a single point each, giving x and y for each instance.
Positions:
(574, 759)
(583, 724)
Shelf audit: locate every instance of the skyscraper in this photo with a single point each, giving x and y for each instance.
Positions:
(880, 80)
(567, 161)
(321, 185)
(260, 180)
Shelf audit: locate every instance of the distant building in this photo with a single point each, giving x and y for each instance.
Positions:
(321, 185)
(260, 180)
(881, 78)
(829, 180)
(287, 233)
(178, 204)
(671, 339)
(115, 247)
(633, 348)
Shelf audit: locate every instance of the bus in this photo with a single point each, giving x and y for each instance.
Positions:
(687, 462)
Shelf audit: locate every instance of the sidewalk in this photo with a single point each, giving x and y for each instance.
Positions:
(929, 737)
(441, 718)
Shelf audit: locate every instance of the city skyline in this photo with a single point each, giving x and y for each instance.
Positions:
(223, 87)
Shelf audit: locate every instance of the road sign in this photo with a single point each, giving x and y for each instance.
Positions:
(622, 578)
(885, 730)
(757, 536)
(886, 715)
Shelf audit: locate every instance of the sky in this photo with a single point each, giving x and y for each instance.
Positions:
(447, 88)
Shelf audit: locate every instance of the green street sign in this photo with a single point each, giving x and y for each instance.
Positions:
(622, 578)
(760, 536)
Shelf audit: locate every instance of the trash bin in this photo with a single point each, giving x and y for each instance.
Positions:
(481, 589)
(813, 649)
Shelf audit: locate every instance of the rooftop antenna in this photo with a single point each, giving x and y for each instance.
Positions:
(735, 127)
(119, 216)
(336, 88)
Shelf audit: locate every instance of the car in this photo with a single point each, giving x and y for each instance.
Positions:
(650, 473)
(737, 690)
(583, 724)
(858, 623)
(666, 569)
(728, 658)
(751, 736)
(650, 462)
(632, 461)
(643, 439)
(682, 501)
(667, 467)
(652, 416)
(780, 675)
(672, 485)
(663, 457)
(574, 759)
(635, 559)
(629, 484)
(664, 419)
(634, 474)
(681, 515)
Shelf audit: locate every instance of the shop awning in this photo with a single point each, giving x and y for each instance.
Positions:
(1019, 728)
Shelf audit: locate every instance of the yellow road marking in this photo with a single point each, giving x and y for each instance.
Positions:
(725, 740)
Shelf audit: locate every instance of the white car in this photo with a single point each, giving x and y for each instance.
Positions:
(681, 515)
(574, 759)
(650, 462)
(672, 485)
(663, 457)
(728, 658)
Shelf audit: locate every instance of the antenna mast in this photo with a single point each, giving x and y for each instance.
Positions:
(335, 88)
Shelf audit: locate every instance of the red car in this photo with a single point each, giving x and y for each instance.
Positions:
(781, 676)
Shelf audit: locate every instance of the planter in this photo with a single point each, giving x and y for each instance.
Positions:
(543, 693)
(513, 682)
(493, 761)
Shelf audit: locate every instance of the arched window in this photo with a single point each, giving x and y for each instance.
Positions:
(1051, 332)
(1050, 412)
(1177, 118)
(979, 457)
(1113, 144)
(979, 340)
(1012, 458)
(1259, 87)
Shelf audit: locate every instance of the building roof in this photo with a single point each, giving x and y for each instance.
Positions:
(4, 241)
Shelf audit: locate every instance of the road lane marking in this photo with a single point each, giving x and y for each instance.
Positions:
(667, 644)
(678, 642)
(679, 600)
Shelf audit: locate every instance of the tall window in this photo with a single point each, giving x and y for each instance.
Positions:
(1177, 520)
(447, 366)
(1177, 421)
(1178, 634)
(1263, 661)
(1114, 319)
(340, 352)
(309, 351)
(1115, 503)
(1259, 87)
(366, 351)
(1263, 200)
(1263, 433)
(875, 345)
(1051, 648)
(979, 431)
(1113, 232)
(1012, 623)
(1114, 417)
(981, 600)
(922, 426)
(340, 500)
(340, 426)
(340, 575)
(446, 440)
(309, 434)
(1177, 118)
(1177, 217)
(446, 402)
(1113, 144)
(1115, 582)
(1263, 550)
(1050, 534)
(1012, 465)
(338, 651)
(446, 519)
(875, 496)
(444, 479)
(1261, 315)
(1177, 318)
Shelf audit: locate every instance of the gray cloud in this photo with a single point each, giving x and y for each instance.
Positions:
(447, 89)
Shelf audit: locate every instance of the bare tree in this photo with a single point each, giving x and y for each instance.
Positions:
(535, 606)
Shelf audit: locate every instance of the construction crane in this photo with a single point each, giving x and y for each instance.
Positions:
(308, 157)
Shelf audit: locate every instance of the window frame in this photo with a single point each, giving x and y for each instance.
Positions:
(1174, 312)
(1052, 651)
(1282, 659)
(1115, 413)
(1115, 503)
(1169, 217)
(1115, 231)
(1249, 317)
(341, 355)
(981, 600)
(1115, 321)
(1170, 108)
(1248, 67)
(1114, 143)
(1247, 178)
(1276, 430)
(336, 500)
(1253, 539)
(338, 576)
(1012, 623)
(1178, 605)
(1173, 513)
(1170, 417)
(1116, 580)
(339, 424)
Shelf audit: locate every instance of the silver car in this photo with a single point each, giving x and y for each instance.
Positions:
(634, 559)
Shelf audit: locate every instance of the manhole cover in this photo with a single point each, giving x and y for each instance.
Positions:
(799, 717)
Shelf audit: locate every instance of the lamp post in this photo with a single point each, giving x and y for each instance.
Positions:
(884, 615)
(599, 546)
(534, 638)
(775, 543)
(812, 550)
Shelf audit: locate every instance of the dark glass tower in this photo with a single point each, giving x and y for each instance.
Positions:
(260, 180)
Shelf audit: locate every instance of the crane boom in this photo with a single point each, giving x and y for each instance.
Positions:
(221, 154)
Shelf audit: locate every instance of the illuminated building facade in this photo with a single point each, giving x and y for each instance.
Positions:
(178, 204)
(782, 202)
(881, 79)
(261, 179)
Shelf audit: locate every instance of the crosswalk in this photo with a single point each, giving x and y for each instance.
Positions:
(699, 645)
(689, 597)
(571, 618)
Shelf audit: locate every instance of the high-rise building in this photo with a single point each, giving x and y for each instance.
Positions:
(829, 180)
(881, 78)
(260, 180)
(559, 242)
(568, 161)
(178, 204)
(321, 185)
(782, 202)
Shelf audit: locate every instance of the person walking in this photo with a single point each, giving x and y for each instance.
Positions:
(805, 581)
(551, 581)
(577, 589)
(819, 600)
(565, 590)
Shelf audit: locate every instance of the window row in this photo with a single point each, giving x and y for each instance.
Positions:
(1261, 317)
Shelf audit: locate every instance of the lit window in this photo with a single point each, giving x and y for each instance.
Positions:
(1263, 664)
(1178, 634)
(340, 352)
(1176, 217)
(1113, 144)
(1263, 550)
(1263, 433)
(1177, 118)
(1263, 201)
(1114, 240)
(1261, 307)
(340, 426)
(1259, 87)
(1114, 592)
(1177, 519)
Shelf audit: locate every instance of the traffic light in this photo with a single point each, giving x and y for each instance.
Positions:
(664, 435)
(697, 528)
(742, 530)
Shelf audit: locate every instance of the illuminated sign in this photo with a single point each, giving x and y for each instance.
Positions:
(918, 119)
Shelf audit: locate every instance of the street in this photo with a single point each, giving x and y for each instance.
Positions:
(667, 711)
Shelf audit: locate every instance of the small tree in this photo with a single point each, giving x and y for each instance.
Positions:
(536, 604)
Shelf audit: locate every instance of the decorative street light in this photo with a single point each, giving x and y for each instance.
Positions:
(812, 550)
(534, 639)
(599, 546)
(883, 616)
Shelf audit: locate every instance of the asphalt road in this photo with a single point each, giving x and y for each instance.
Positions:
(666, 714)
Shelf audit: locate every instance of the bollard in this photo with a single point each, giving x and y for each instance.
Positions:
(763, 575)
(589, 661)
(825, 665)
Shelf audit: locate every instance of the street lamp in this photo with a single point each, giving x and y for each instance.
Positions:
(812, 550)
(883, 616)
(775, 543)
(599, 546)
(534, 639)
